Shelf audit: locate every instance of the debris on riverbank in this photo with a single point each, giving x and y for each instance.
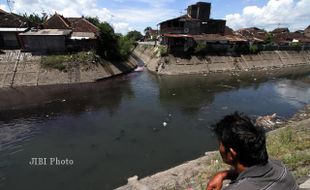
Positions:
(290, 143)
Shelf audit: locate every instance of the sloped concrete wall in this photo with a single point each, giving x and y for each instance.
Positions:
(23, 69)
(171, 65)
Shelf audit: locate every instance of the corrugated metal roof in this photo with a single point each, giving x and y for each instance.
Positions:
(48, 32)
(13, 29)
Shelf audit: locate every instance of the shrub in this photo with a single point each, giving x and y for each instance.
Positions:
(200, 48)
(163, 50)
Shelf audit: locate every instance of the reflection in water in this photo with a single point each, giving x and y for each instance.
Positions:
(114, 129)
(58, 100)
(294, 92)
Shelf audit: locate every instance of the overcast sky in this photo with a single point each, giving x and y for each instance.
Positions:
(127, 15)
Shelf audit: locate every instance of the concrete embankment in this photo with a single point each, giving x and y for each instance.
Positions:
(171, 65)
(290, 144)
(24, 69)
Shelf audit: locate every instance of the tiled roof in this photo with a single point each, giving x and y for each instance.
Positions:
(56, 22)
(2, 11)
(181, 18)
(77, 24)
(253, 34)
(280, 30)
(11, 20)
(82, 25)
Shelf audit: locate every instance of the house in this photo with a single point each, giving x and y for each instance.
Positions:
(151, 34)
(81, 28)
(2, 11)
(280, 31)
(283, 37)
(10, 26)
(46, 40)
(179, 33)
(62, 34)
(196, 21)
(253, 34)
(307, 31)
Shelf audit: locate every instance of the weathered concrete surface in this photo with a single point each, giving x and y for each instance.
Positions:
(171, 65)
(175, 178)
(23, 69)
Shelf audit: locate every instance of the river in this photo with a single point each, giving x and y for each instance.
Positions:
(135, 124)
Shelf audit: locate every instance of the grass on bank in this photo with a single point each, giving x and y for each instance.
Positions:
(60, 62)
(292, 145)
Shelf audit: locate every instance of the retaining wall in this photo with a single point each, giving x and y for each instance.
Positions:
(171, 65)
(23, 69)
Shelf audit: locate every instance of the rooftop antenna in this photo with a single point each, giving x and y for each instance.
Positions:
(9, 2)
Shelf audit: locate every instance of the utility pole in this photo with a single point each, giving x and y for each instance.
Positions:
(9, 4)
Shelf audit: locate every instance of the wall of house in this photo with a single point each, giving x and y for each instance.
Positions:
(24, 69)
(10, 40)
(44, 43)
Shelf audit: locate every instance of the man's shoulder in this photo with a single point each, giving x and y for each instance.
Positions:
(241, 185)
(274, 175)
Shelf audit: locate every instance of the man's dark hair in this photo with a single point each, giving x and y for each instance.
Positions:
(238, 132)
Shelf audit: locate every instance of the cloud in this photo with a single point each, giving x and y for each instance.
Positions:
(287, 13)
(153, 3)
(123, 19)
(4, 7)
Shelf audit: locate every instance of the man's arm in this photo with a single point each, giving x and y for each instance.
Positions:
(216, 183)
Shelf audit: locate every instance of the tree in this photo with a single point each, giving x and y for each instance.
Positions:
(147, 29)
(126, 45)
(134, 35)
(269, 39)
(107, 42)
(94, 20)
(34, 18)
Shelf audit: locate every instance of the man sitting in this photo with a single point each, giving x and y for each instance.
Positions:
(243, 146)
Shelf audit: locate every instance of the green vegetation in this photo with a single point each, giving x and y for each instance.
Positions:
(253, 49)
(94, 20)
(34, 18)
(134, 35)
(107, 47)
(269, 39)
(60, 62)
(112, 46)
(200, 49)
(292, 146)
(163, 50)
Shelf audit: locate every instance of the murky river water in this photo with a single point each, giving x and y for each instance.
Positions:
(114, 129)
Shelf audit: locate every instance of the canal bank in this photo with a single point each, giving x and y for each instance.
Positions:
(173, 65)
(289, 143)
(24, 69)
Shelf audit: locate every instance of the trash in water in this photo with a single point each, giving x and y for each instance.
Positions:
(268, 121)
(224, 108)
(64, 100)
(139, 69)
(156, 130)
(165, 124)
